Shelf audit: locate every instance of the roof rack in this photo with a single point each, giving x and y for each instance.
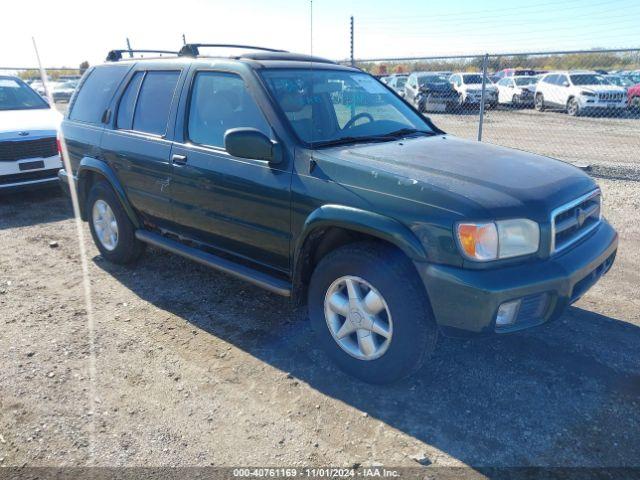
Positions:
(115, 55)
(192, 49)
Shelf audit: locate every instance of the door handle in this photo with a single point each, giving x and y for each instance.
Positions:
(178, 159)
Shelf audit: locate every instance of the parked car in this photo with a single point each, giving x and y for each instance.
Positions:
(512, 72)
(428, 91)
(397, 82)
(633, 98)
(28, 126)
(517, 91)
(578, 93)
(63, 91)
(620, 81)
(392, 230)
(469, 89)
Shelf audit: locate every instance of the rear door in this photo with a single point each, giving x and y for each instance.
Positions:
(83, 126)
(138, 147)
(237, 205)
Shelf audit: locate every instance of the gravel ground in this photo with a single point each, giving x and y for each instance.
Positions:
(195, 368)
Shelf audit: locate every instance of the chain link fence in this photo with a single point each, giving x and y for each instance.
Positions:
(578, 106)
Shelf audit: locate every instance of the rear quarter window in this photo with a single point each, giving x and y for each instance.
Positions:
(95, 93)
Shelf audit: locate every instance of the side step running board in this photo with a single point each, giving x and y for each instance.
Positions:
(242, 272)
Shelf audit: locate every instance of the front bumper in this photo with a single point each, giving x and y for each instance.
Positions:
(13, 177)
(466, 301)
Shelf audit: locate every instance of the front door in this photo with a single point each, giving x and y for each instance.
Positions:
(241, 206)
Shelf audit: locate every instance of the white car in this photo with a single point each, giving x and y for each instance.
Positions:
(469, 88)
(579, 92)
(29, 154)
(517, 91)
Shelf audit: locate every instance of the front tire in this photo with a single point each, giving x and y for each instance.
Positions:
(370, 312)
(573, 107)
(111, 229)
(539, 102)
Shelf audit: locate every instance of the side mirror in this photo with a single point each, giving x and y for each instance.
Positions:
(252, 143)
(565, 84)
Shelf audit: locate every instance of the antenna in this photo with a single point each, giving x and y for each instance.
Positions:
(353, 62)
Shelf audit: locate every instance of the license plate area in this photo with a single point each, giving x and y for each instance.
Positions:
(31, 165)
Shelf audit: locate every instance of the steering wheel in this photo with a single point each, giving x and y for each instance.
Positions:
(355, 118)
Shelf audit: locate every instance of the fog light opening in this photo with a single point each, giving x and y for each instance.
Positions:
(507, 313)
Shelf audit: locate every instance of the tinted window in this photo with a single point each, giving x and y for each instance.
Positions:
(588, 80)
(128, 102)
(154, 101)
(96, 92)
(549, 79)
(220, 101)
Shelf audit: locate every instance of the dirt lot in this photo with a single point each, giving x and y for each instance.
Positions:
(196, 368)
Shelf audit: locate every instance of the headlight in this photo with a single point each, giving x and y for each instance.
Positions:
(496, 240)
(587, 94)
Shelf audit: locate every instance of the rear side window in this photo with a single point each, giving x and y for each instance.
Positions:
(128, 102)
(96, 92)
(154, 102)
(220, 101)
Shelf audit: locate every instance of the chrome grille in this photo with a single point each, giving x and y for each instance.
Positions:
(21, 149)
(611, 96)
(574, 220)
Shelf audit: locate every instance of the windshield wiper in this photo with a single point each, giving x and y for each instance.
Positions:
(383, 137)
(403, 132)
(348, 140)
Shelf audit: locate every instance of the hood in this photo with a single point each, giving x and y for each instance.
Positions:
(35, 121)
(601, 88)
(471, 178)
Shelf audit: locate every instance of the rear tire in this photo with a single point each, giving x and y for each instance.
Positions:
(386, 277)
(111, 229)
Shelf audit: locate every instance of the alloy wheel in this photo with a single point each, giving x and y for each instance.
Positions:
(358, 318)
(105, 225)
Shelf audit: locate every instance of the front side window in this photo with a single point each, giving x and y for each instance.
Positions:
(154, 102)
(17, 95)
(96, 92)
(220, 101)
(332, 106)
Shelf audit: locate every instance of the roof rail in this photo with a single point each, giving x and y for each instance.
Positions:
(115, 55)
(192, 49)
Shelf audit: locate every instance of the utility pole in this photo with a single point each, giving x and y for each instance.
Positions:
(129, 48)
(353, 62)
(184, 39)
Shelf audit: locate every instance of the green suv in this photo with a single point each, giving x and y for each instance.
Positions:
(316, 181)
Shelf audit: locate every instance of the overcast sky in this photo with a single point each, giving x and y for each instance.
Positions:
(70, 31)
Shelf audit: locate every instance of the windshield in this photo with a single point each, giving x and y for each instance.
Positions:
(588, 79)
(327, 106)
(473, 78)
(526, 81)
(16, 95)
(433, 81)
(401, 81)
